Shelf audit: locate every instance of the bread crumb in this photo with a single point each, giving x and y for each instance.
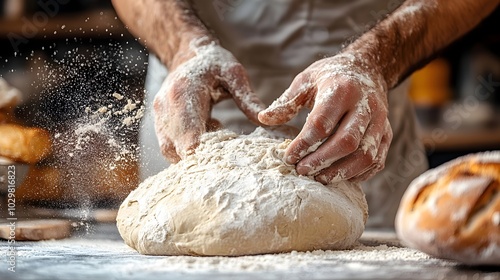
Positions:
(102, 110)
(117, 96)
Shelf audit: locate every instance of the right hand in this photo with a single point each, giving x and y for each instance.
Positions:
(203, 74)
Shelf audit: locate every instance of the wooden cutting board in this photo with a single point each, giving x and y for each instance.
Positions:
(35, 229)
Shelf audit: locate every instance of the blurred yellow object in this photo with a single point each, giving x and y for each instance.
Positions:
(430, 85)
(41, 184)
(24, 144)
(94, 182)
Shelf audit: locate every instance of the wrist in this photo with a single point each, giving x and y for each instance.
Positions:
(366, 67)
(188, 45)
(378, 57)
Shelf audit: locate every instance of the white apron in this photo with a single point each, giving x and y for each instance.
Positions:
(277, 39)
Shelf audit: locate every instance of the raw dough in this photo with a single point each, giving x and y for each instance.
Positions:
(235, 196)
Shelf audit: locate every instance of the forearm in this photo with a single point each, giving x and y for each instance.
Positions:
(165, 26)
(415, 31)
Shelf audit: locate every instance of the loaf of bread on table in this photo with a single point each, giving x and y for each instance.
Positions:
(453, 211)
(24, 144)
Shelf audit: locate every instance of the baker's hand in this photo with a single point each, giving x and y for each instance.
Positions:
(347, 134)
(206, 74)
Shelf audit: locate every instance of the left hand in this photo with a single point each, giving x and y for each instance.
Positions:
(349, 119)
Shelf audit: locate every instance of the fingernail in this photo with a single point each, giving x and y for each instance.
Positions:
(303, 170)
(323, 179)
(291, 159)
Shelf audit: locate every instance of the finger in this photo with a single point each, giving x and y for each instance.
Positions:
(379, 164)
(191, 114)
(213, 125)
(300, 93)
(355, 163)
(181, 114)
(167, 147)
(332, 105)
(235, 81)
(345, 141)
(168, 150)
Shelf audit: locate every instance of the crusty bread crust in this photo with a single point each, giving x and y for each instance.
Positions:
(453, 211)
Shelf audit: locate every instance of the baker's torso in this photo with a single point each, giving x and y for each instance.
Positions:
(277, 39)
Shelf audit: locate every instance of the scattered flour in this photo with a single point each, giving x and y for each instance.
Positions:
(360, 259)
(102, 121)
(117, 96)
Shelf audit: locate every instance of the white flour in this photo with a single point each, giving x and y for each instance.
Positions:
(99, 123)
(92, 152)
(361, 257)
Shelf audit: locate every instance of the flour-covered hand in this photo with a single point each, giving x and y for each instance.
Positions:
(347, 134)
(206, 74)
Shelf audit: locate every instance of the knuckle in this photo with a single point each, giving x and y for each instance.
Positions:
(301, 77)
(168, 151)
(176, 93)
(236, 70)
(389, 133)
(323, 125)
(349, 142)
(380, 166)
(368, 159)
(157, 103)
(348, 86)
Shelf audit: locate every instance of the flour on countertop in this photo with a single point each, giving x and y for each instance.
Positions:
(360, 257)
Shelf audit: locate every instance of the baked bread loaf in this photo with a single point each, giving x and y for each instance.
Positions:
(24, 144)
(453, 211)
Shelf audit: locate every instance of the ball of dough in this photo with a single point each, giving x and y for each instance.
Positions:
(453, 211)
(235, 196)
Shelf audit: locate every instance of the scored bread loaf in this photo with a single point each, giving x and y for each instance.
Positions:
(453, 211)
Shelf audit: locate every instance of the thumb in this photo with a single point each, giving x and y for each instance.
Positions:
(286, 107)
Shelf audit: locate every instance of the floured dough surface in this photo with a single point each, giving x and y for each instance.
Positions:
(235, 196)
